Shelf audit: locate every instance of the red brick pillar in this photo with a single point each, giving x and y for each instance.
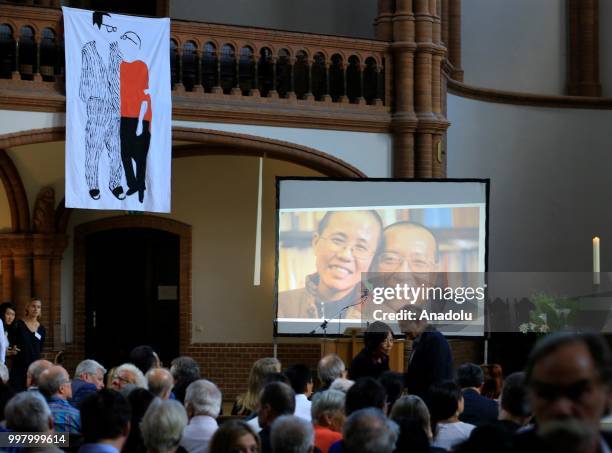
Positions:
(383, 24)
(21, 247)
(7, 277)
(404, 120)
(454, 38)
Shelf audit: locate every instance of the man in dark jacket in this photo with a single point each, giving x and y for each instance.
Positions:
(478, 410)
(431, 360)
(89, 378)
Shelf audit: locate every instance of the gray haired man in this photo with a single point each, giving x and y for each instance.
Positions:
(88, 379)
(203, 404)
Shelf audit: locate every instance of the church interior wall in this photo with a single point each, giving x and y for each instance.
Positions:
(515, 46)
(550, 183)
(332, 17)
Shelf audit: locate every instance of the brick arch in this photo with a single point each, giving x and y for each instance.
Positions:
(16, 194)
(205, 142)
(182, 230)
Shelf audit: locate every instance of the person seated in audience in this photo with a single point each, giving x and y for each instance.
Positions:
(327, 418)
(393, 383)
(88, 379)
(34, 371)
(163, 425)
(128, 374)
(477, 410)
(300, 379)
(445, 403)
(184, 370)
(413, 407)
(515, 412)
(160, 382)
(55, 386)
(373, 359)
(342, 385)
(105, 422)
(515, 407)
(291, 434)
(272, 377)
(203, 404)
(29, 412)
(6, 393)
(368, 431)
(276, 399)
(235, 436)
(493, 379)
(246, 403)
(569, 378)
(366, 392)
(412, 438)
(139, 400)
(330, 368)
(144, 358)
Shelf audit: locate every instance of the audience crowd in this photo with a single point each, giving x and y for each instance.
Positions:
(555, 405)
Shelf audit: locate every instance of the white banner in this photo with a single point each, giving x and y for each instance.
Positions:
(118, 111)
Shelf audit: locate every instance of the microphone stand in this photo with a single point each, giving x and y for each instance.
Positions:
(325, 322)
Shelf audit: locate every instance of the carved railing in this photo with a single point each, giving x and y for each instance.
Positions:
(253, 68)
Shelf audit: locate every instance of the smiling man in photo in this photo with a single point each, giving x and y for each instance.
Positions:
(344, 245)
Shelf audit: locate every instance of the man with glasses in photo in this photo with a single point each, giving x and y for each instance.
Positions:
(344, 245)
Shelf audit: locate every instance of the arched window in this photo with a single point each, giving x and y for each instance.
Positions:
(245, 68)
(300, 74)
(283, 73)
(190, 65)
(228, 68)
(353, 79)
(48, 55)
(209, 67)
(265, 71)
(174, 62)
(370, 81)
(319, 76)
(336, 78)
(26, 53)
(7, 51)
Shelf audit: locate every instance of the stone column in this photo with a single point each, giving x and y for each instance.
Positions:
(404, 120)
(454, 38)
(383, 24)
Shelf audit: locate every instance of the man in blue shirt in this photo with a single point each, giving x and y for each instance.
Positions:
(55, 385)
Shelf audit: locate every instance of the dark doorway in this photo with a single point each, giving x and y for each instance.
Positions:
(131, 295)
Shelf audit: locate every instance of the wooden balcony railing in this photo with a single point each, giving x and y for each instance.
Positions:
(303, 75)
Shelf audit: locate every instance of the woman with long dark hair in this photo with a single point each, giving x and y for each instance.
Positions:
(373, 359)
(7, 316)
(29, 338)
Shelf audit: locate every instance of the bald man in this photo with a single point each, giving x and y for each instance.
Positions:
(56, 387)
(160, 382)
(35, 369)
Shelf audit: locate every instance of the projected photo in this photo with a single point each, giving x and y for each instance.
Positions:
(323, 253)
(352, 252)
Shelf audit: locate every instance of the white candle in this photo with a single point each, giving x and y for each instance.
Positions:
(596, 268)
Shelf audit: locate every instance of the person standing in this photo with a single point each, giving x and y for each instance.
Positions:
(29, 340)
